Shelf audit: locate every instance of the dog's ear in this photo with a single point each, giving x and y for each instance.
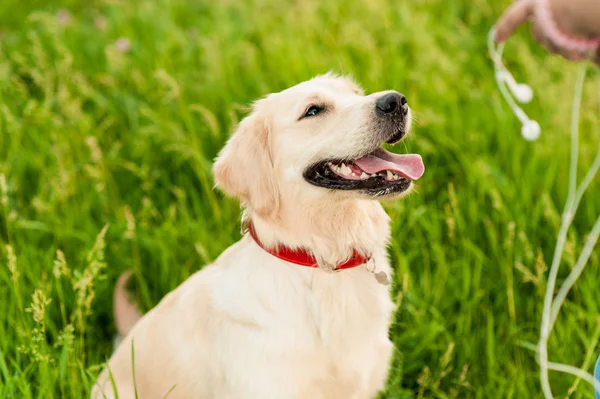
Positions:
(244, 167)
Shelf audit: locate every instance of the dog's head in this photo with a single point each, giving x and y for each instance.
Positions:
(320, 138)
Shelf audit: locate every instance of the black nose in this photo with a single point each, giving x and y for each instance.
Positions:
(392, 103)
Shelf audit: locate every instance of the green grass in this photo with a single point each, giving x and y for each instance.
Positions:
(93, 137)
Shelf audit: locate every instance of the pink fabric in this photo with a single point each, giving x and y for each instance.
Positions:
(544, 17)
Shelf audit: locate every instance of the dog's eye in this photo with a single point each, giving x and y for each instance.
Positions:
(313, 110)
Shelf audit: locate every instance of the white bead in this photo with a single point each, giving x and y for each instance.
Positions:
(531, 130)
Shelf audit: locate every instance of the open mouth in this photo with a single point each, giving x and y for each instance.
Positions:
(377, 173)
(396, 138)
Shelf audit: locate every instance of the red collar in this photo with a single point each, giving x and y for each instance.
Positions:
(304, 258)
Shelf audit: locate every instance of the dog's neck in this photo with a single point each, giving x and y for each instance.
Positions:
(330, 230)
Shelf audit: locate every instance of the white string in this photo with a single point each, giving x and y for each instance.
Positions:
(496, 55)
(581, 261)
(530, 130)
(584, 375)
(552, 305)
(567, 218)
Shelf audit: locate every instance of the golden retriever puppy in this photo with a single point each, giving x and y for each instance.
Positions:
(299, 308)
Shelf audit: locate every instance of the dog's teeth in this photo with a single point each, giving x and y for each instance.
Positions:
(389, 175)
(364, 176)
(374, 175)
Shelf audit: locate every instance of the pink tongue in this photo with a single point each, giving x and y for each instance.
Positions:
(409, 166)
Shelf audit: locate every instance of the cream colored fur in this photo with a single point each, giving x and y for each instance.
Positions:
(251, 326)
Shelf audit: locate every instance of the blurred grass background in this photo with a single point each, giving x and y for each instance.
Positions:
(112, 111)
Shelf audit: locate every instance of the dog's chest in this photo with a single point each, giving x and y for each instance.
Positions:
(306, 328)
(344, 329)
(351, 317)
(347, 309)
